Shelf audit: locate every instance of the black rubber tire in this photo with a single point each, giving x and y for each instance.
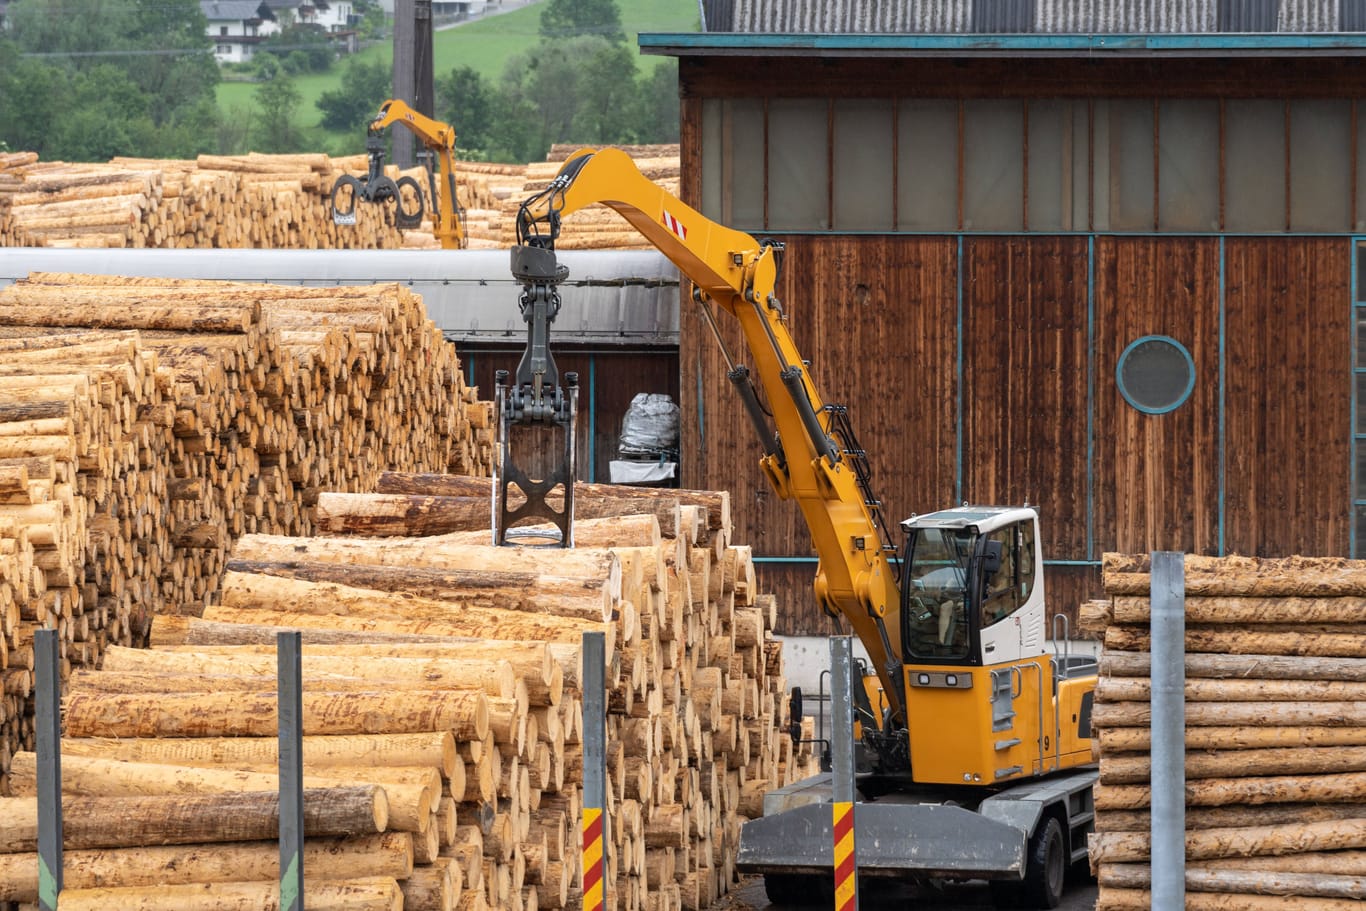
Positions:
(799, 889)
(1045, 872)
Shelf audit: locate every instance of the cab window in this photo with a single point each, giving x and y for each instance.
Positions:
(1000, 592)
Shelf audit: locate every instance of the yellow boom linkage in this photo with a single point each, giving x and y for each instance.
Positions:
(439, 140)
(805, 460)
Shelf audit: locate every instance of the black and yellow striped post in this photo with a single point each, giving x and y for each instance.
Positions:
(842, 771)
(594, 694)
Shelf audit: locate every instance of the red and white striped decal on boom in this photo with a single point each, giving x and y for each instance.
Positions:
(674, 225)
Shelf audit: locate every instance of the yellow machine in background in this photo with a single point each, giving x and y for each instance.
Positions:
(439, 141)
(975, 742)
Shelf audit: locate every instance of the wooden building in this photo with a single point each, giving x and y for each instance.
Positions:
(1099, 257)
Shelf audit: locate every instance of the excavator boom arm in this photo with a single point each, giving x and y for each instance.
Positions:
(438, 138)
(802, 460)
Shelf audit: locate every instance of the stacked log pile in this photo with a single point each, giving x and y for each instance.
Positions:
(280, 201)
(1275, 733)
(446, 673)
(596, 227)
(145, 424)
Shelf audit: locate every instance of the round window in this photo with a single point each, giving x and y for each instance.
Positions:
(1155, 374)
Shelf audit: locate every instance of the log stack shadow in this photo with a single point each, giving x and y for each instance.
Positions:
(1275, 733)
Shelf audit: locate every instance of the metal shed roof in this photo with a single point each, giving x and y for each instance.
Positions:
(740, 44)
(617, 297)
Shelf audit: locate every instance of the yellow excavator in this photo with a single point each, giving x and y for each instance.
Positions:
(974, 750)
(438, 140)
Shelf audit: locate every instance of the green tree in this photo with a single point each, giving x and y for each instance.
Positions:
(566, 18)
(84, 77)
(608, 101)
(302, 48)
(465, 100)
(364, 87)
(657, 113)
(277, 102)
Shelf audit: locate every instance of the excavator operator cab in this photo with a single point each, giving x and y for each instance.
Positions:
(966, 572)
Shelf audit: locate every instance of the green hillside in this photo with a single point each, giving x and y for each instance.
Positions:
(484, 45)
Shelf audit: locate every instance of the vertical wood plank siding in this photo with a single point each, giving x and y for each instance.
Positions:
(1157, 475)
(1025, 381)
(1288, 396)
(876, 317)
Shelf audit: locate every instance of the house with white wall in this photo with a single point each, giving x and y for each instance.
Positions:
(236, 27)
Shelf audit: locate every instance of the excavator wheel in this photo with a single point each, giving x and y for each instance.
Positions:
(799, 889)
(1045, 872)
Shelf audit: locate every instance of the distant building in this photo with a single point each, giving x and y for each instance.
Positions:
(237, 26)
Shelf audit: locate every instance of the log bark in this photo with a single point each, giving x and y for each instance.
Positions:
(483, 588)
(1239, 817)
(1271, 714)
(254, 714)
(1207, 878)
(1244, 642)
(587, 600)
(1141, 900)
(1214, 792)
(410, 801)
(1124, 740)
(1266, 667)
(1120, 769)
(1210, 844)
(1237, 609)
(117, 822)
(397, 514)
(1139, 689)
(371, 894)
(389, 854)
(436, 749)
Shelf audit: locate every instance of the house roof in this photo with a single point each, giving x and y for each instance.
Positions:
(231, 10)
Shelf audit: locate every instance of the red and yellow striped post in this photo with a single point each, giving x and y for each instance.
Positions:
(592, 859)
(846, 877)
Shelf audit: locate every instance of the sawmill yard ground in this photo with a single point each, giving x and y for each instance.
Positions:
(748, 895)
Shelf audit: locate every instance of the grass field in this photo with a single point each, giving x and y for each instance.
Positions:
(484, 44)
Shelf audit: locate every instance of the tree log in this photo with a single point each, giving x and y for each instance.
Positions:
(1239, 817)
(1214, 792)
(513, 626)
(1208, 878)
(1141, 900)
(410, 805)
(396, 514)
(1240, 610)
(1211, 844)
(1122, 769)
(388, 854)
(464, 714)
(717, 503)
(585, 601)
(1271, 714)
(1124, 740)
(1139, 689)
(1244, 642)
(482, 588)
(1265, 667)
(370, 894)
(436, 749)
(118, 822)
(470, 672)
